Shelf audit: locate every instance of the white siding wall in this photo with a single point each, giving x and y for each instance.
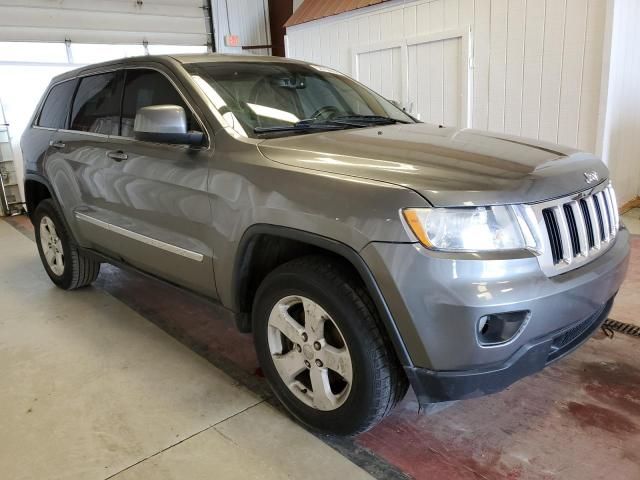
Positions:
(172, 22)
(537, 64)
(621, 130)
(247, 18)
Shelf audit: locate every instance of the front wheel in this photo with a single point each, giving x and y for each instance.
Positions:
(321, 349)
(65, 264)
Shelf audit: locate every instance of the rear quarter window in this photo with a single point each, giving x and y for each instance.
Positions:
(56, 105)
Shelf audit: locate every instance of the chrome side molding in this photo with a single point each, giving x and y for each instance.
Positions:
(167, 247)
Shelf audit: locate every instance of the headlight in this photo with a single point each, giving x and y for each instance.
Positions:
(477, 229)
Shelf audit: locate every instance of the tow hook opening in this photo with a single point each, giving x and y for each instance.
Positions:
(497, 328)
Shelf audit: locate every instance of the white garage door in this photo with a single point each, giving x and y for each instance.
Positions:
(428, 75)
(173, 22)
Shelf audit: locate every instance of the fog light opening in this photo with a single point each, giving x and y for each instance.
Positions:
(499, 328)
(483, 325)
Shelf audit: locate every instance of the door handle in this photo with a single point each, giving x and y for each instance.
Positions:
(57, 144)
(118, 155)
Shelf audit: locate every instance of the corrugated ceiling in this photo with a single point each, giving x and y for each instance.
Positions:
(315, 9)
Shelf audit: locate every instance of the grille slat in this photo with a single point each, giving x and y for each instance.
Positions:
(602, 201)
(581, 226)
(596, 204)
(614, 208)
(573, 229)
(593, 215)
(587, 220)
(554, 234)
(610, 215)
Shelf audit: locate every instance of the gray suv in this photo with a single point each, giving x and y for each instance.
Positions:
(364, 250)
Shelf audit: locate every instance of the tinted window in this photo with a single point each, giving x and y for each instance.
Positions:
(144, 88)
(55, 108)
(96, 107)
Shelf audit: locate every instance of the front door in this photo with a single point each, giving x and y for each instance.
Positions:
(151, 208)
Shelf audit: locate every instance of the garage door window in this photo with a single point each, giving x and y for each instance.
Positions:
(96, 107)
(145, 88)
(56, 106)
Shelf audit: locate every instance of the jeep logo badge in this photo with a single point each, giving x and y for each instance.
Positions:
(591, 176)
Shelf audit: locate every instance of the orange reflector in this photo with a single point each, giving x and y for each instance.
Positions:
(416, 227)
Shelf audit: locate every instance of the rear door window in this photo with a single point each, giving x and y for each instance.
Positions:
(144, 88)
(96, 107)
(56, 106)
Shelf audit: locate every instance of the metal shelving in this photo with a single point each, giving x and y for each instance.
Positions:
(10, 201)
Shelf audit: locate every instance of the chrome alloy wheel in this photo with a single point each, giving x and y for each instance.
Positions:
(309, 353)
(51, 245)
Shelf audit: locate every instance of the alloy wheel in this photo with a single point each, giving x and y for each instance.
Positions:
(309, 353)
(51, 245)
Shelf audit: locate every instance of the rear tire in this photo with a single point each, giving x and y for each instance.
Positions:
(335, 324)
(65, 264)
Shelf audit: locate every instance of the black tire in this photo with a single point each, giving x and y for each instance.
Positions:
(378, 379)
(79, 270)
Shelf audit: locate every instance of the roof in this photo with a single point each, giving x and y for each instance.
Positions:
(186, 58)
(315, 9)
(168, 60)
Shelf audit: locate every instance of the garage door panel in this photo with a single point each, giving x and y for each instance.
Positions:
(180, 8)
(44, 18)
(37, 34)
(104, 21)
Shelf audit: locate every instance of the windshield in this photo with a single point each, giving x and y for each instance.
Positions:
(262, 99)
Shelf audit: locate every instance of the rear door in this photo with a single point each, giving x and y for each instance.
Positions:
(36, 141)
(78, 151)
(154, 196)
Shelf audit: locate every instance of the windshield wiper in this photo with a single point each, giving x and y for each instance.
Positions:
(367, 119)
(335, 123)
(304, 125)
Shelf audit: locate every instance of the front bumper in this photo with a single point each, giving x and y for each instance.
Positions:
(436, 301)
(433, 386)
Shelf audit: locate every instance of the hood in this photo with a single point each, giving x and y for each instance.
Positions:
(447, 166)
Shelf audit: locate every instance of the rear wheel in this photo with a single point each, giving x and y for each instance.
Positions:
(65, 264)
(321, 349)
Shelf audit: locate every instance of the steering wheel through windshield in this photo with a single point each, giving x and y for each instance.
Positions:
(325, 113)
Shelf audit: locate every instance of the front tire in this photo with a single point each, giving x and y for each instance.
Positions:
(65, 264)
(321, 349)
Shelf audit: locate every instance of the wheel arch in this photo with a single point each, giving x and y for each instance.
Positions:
(38, 188)
(280, 244)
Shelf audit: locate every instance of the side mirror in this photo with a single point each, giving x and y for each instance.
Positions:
(164, 124)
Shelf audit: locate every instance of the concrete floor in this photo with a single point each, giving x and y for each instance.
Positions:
(133, 379)
(91, 390)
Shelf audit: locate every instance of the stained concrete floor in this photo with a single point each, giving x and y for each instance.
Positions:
(118, 390)
(627, 306)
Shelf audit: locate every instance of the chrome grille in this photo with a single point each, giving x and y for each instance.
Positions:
(575, 230)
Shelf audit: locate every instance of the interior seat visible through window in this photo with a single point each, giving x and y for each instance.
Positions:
(96, 107)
